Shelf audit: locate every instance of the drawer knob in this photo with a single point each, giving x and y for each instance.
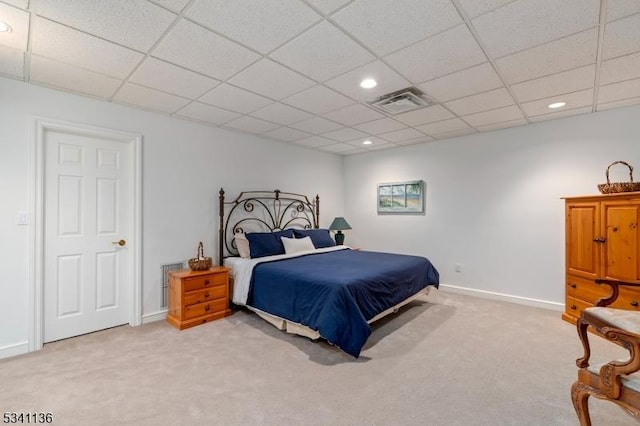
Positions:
(206, 282)
(574, 307)
(206, 295)
(206, 308)
(634, 303)
(572, 285)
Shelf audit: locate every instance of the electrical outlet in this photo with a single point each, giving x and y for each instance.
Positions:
(458, 267)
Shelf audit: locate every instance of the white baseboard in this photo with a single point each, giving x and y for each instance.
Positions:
(156, 316)
(13, 350)
(554, 306)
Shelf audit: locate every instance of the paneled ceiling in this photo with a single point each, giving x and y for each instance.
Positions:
(290, 70)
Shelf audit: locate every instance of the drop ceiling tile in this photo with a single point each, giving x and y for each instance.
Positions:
(481, 102)
(53, 40)
(186, 42)
(402, 135)
(234, 99)
(384, 125)
(175, 5)
(286, 134)
(132, 94)
(317, 125)
(251, 125)
(341, 148)
(444, 53)
(327, 6)
(207, 113)
(619, 69)
(379, 147)
(619, 91)
(318, 100)
(560, 114)
(550, 58)
(424, 115)
(68, 77)
(621, 37)
(386, 29)
(388, 81)
(463, 83)
(617, 9)
(422, 139)
(172, 79)
(354, 114)
(528, 23)
(619, 104)
(135, 24)
(18, 3)
(281, 114)
(503, 125)
(322, 53)
(556, 84)
(574, 100)
(475, 8)
(444, 127)
(244, 20)
(315, 142)
(18, 20)
(499, 115)
(346, 134)
(11, 62)
(271, 79)
(455, 133)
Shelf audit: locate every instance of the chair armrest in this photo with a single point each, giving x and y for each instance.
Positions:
(615, 291)
(610, 373)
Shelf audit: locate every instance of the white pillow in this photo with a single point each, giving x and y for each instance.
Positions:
(243, 245)
(294, 245)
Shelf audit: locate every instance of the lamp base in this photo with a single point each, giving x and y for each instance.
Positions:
(339, 238)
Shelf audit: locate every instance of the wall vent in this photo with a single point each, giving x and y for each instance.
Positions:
(401, 101)
(165, 281)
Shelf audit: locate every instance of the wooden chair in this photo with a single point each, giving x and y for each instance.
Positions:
(615, 380)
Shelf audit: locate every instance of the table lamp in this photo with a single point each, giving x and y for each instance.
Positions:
(339, 224)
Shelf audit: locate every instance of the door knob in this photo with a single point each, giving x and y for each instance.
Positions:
(120, 243)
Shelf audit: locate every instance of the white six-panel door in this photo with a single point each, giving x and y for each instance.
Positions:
(87, 185)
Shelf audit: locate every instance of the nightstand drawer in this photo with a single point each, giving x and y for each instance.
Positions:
(206, 308)
(199, 296)
(205, 281)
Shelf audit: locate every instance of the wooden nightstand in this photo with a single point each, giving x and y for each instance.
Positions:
(196, 297)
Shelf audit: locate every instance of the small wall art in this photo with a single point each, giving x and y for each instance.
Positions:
(401, 197)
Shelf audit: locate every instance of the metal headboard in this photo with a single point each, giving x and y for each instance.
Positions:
(263, 211)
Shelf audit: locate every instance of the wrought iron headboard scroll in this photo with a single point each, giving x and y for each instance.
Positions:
(263, 211)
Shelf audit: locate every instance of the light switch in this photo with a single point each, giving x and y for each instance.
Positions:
(23, 217)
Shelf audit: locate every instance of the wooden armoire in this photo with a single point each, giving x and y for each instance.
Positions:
(602, 236)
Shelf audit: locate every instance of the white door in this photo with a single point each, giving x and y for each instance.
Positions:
(87, 184)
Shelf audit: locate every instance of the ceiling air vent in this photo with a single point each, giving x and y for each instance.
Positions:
(401, 101)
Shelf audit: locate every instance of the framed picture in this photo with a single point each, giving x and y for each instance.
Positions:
(401, 197)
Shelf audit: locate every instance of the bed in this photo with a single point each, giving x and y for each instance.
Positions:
(290, 272)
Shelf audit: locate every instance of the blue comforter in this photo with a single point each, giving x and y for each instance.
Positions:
(336, 293)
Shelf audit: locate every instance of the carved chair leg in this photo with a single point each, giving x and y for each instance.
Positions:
(580, 398)
(582, 333)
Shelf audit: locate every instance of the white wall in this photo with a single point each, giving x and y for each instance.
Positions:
(493, 199)
(184, 166)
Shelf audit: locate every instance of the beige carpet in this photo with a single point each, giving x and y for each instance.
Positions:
(446, 360)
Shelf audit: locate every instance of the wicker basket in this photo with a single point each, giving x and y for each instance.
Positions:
(612, 188)
(200, 263)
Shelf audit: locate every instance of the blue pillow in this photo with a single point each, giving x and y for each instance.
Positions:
(263, 244)
(320, 237)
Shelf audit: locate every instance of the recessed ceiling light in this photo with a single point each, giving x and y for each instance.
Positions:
(368, 83)
(367, 142)
(557, 105)
(4, 27)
